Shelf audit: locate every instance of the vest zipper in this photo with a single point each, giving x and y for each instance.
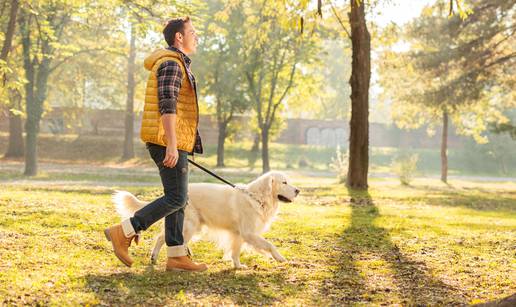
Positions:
(194, 86)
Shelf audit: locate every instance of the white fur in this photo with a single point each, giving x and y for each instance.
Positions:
(231, 217)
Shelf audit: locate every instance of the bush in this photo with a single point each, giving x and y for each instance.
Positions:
(340, 164)
(303, 162)
(405, 167)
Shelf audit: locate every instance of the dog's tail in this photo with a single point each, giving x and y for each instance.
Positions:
(126, 203)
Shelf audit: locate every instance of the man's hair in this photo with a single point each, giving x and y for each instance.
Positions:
(172, 27)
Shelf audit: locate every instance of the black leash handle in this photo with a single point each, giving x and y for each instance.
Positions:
(211, 173)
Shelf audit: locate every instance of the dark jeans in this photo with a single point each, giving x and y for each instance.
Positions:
(171, 205)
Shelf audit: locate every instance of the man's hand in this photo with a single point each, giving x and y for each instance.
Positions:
(171, 156)
(169, 124)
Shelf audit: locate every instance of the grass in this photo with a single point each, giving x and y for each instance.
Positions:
(425, 244)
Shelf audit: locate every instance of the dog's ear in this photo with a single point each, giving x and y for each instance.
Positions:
(267, 186)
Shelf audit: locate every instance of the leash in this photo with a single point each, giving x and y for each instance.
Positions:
(231, 184)
(211, 173)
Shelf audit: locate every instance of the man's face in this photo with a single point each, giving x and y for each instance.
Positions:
(189, 39)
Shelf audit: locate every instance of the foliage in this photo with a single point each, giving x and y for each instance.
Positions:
(340, 164)
(220, 66)
(273, 55)
(405, 167)
(459, 66)
(508, 127)
(505, 128)
(324, 93)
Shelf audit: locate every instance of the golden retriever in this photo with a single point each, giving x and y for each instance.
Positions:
(232, 216)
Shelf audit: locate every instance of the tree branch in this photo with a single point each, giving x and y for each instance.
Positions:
(143, 8)
(501, 60)
(276, 105)
(340, 20)
(88, 51)
(275, 71)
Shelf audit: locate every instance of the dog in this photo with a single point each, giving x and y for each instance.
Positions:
(232, 216)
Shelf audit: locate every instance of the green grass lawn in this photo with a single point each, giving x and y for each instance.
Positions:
(427, 244)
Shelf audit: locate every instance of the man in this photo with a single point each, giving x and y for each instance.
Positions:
(170, 131)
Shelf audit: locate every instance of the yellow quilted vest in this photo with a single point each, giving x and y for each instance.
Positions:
(187, 109)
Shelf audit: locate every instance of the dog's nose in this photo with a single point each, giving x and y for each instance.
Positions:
(297, 192)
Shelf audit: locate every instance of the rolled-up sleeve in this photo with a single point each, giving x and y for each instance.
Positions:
(169, 83)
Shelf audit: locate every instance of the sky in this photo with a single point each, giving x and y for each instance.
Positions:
(398, 11)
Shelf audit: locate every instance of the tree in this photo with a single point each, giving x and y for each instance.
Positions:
(359, 81)
(15, 146)
(48, 41)
(505, 128)
(273, 54)
(90, 69)
(221, 69)
(454, 71)
(11, 25)
(129, 110)
(40, 32)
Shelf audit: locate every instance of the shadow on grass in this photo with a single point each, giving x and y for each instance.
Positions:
(471, 198)
(158, 287)
(371, 268)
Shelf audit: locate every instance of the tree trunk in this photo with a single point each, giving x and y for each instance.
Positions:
(35, 94)
(34, 111)
(444, 149)
(129, 110)
(256, 143)
(31, 123)
(220, 143)
(265, 150)
(359, 81)
(15, 149)
(10, 30)
(253, 154)
(31, 165)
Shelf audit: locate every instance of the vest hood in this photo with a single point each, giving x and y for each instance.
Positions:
(157, 55)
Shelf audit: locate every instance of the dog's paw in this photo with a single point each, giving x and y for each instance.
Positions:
(241, 267)
(280, 258)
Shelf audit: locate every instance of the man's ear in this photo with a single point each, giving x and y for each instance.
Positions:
(179, 37)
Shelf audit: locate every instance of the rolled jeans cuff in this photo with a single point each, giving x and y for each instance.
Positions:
(178, 251)
(128, 228)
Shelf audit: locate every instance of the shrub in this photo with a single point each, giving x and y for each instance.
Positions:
(405, 167)
(340, 164)
(303, 162)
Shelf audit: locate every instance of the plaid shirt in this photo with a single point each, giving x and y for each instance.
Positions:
(169, 84)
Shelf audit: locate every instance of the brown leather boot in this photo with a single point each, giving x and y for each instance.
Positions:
(120, 242)
(184, 263)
